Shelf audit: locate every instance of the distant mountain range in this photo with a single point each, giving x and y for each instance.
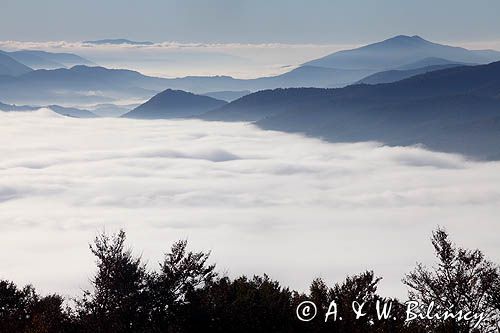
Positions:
(65, 111)
(12, 107)
(84, 84)
(174, 104)
(412, 91)
(118, 41)
(78, 85)
(452, 110)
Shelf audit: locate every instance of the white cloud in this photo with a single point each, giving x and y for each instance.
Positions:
(262, 201)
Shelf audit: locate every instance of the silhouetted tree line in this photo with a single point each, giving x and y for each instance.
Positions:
(187, 295)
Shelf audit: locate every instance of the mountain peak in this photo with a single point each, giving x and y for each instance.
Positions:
(172, 103)
(406, 39)
(414, 37)
(399, 51)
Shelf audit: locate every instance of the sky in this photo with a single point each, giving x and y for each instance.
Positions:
(262, 201)
(249, 21)
(239, 38)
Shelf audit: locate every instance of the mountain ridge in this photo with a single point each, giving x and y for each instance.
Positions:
(95, 84)
(425, 109)
(117, 41)
(37, 59)
(398, 51)
(174, 104)
(11, 67)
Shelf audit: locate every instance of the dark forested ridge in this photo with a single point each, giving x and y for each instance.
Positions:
(452, 110)
(186, 294)
(174, 104)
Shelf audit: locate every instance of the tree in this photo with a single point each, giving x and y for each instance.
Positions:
(15, 305)
(181, 273)
(120, 299)
(23, 310)
(359, 288)
(462, 280)
(242, 305)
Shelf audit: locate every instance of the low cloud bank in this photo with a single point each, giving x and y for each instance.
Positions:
(262, 201)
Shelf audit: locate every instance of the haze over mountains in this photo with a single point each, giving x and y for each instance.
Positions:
(11, 67)
(45, 60)
(413, 91)
(100, 85)
(394, 75)
(64, 111)
(48, 60)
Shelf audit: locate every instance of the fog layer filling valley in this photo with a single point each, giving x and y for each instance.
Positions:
(263, 202)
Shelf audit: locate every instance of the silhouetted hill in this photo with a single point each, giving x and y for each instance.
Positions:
(399, 51)
(397, 75)
(174, 104)
(12, 67)
(452, 110)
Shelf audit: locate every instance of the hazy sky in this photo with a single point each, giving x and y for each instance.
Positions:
(249, 21)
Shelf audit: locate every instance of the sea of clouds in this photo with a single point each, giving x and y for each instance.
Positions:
(261, 201)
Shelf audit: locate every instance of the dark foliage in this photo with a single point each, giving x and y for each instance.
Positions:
(119, 299)
(185, 295)
(181, 274)
(463, 279)
(23, 310)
